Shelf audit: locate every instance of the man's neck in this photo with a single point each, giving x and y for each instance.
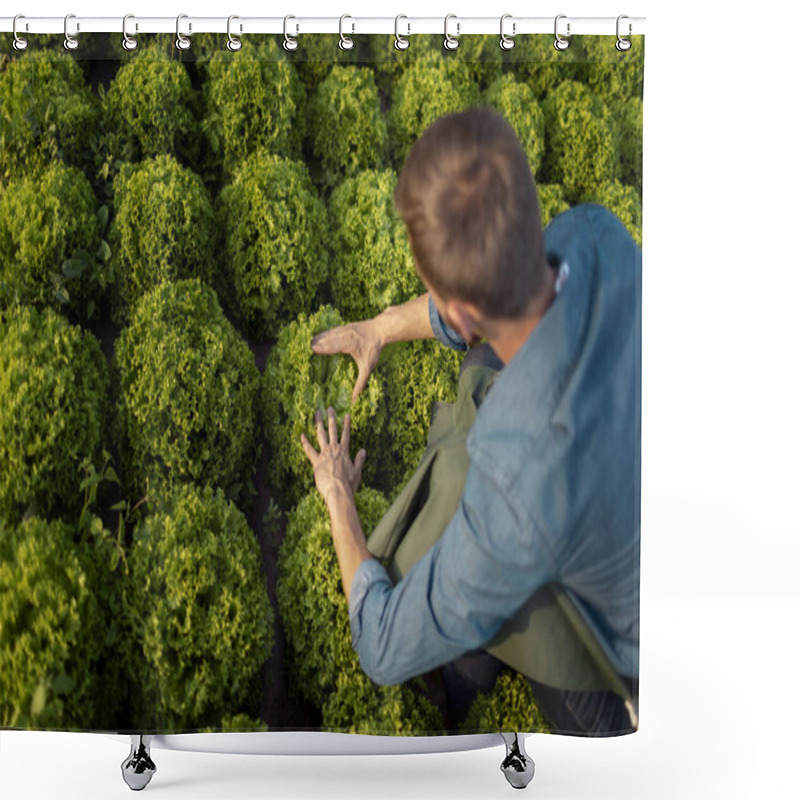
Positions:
(506, 336)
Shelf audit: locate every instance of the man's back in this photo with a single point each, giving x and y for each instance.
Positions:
(560, 429)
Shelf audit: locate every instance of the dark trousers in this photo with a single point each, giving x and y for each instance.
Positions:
(578, 713)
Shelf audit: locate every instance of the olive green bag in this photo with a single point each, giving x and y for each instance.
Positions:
(547, 639)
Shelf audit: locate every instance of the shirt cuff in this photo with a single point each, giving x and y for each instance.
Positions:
(442, 331)
(369, 572)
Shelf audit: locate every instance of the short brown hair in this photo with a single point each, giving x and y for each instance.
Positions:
(467, 197)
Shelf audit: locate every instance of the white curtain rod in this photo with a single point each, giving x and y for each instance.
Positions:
(294, 26)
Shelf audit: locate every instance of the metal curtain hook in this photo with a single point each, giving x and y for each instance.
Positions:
(182, 42)
(234, 44)
(561, 43)
(507, 42)
(70, 42)
(288, 42)
(451, 42)
(400, 42)
(128, 42)
(623, 44)
(19, 42)
(345, 42)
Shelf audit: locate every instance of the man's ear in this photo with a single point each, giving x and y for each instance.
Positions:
(465, 318)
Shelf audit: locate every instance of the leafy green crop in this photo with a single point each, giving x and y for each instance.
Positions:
(627, 117)
(275, 232)
(613, 75)
(311, 600)
(51, 629)
(624, 202)
(580, 143)
(372, 265)
(509, 707)
(47, 112)
(518, 105)
(254, 101)
(346, 127)
(168, 202)
(534, 61)
(200, 620)
(415, 375)
(425, 91)
(151, 109)
(188, 387)
(53, 387)
(317, 54)
(357, 705)
(51, 253)
(297, 383)
(551, 201)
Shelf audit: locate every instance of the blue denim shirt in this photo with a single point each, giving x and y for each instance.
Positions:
(553, 487)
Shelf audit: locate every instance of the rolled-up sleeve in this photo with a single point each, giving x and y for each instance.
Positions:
(456, 597)
(442, 331)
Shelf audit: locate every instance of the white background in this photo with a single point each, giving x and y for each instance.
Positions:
(720, 606)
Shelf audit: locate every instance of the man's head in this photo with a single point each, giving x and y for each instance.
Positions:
(467, 197)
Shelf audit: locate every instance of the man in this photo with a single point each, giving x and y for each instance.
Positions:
(552, 490)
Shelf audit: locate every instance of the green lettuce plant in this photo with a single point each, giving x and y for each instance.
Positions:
(534, 61)
(51, 629)
(297, 383)
(372, 265)
(188, 386)
(624, 202)
(47, 113)
(163, 229)
(197, 610)
(517, 103)
(627, 117)
(580, 142)
(415, 376)
(51, 250)
(613, 75)
(346, 127)
(317, 54)
(151, 109)
(53, 388)
(425, 91)
(253, 101)
(357, 705)
(510, 706)
(311, 599)
(275, 228)
(551, 201)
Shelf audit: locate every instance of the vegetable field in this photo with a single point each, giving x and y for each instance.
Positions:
(174, 228)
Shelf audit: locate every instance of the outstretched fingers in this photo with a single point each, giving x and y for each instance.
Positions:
(310, 452)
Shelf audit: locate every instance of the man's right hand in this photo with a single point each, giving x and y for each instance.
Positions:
(361, 340)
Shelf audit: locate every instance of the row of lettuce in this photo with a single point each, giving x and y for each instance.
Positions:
(255, 209)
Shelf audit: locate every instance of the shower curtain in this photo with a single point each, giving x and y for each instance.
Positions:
(176, 225)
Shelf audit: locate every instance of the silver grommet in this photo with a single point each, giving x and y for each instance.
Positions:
(400, 42)
(70, 42)
(345, 42)
(451, 42)
(128, 42)
(234, 43)
(19, 43)
(288, 42)
(561, 43)
(507, 42)
(623, 44)
(182, 42)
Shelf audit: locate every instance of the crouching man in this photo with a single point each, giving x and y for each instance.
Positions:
(551, 491)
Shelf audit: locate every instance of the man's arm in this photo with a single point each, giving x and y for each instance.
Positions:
(364, 341)
(485, 565)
